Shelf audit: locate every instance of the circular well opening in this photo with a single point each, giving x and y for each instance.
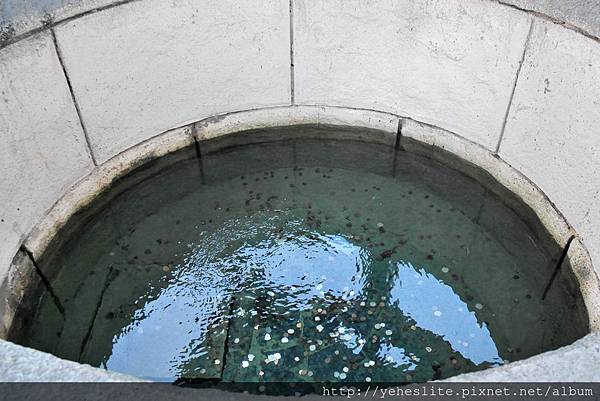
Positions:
(291, 255)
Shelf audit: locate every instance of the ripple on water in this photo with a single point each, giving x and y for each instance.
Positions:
(302, 273)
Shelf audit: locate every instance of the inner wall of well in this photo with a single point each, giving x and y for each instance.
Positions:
(209, 156)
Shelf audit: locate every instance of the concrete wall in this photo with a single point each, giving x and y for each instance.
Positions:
(134, 80)
(91, 81)
(553, 127)
(43, 149)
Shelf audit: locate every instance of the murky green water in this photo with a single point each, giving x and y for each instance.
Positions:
(270, 264)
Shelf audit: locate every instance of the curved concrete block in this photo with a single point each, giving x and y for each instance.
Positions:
(18, 18)
(583, 14)
(501, 171)
(370, 121)
(590, 229)
(22, 364)
(451, 63)
(42, 146)
(582, 358)
(552, 130)
(462, 75)
(11, 241)
(158, 65)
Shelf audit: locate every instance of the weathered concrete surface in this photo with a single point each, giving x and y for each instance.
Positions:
(583, 269)
(584, 14)
(20, 364)
(20, 275)
(590, 228)
(87, 190)
(42, 146)
(8, 249)
(552, 130)
(582, 358)
(18, 17)
(501, 171)
(385, 124)
(577, 362)
(451, 63)
(551, 218)
(160, 65)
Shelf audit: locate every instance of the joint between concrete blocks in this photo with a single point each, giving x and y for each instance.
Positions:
(48, 22)
(514, 87)
(398, 144)
(558, 266)
(110, 275)
(73, 97)
(198, 149)
(44, 280)
(551, 19)
(292, 83)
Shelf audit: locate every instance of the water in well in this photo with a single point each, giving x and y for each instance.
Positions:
(303, 260)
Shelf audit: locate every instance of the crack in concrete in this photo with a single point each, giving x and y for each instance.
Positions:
(73, 98)
(558, 266)
(110, 276)
(45, 280)
(514, 87)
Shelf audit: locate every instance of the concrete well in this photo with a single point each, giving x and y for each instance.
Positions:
(92, 89)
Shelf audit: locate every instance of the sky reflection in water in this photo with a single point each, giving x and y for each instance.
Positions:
(302, 274)
(297, 271)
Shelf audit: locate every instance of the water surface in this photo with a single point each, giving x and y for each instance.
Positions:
(304, 260)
